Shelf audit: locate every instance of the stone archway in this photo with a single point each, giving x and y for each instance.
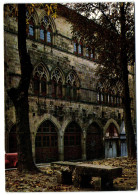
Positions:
(72, 142)
(46, 142)
(111, 141)
(108, 123)
(94, 143)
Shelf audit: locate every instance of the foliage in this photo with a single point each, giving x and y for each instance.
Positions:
(19, 95)
(110, 29)
(103, 31)
(11, 10)
(19, 182)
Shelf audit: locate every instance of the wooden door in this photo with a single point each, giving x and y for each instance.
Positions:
(46, 143)
(72, 142)
(94, 146)
(111, 142)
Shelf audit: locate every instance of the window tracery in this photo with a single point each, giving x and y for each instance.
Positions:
(31, 28)
(40, 80)
(31, 24)
(57, 82)
(45, 30)
(72, 84)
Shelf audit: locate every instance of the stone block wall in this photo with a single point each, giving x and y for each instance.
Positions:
(60, 112)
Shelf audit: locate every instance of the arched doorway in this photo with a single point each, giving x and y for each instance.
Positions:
(111, 142)
(13, 140)
(94, 145)
(72, 142)
(46, 143)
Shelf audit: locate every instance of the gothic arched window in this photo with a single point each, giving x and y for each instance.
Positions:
(75, 47)
(31, 29)
(72, 82)
(40, 81)
(80, 49)
(42, 33)
(49, 36)
(46, 31)
(57, 83)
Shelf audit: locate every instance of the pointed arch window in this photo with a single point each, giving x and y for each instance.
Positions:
(98, 96)
(57, 83)
(80, 49)
(75, 47)
(40, 81)
(49, 36)
(102, 98)
(31, 29)
(72, 86)
(45, 31)
(42, 33)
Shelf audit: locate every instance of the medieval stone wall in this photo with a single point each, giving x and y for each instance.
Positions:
(60, 111)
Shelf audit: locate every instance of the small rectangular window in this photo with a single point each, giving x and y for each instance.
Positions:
(31, 30)
(80, 49)
(101, 97)
(91, 55)
(108, 98)
(42, 35)
(87, 52)
(48, 37)
(98, 97)
(75, 47)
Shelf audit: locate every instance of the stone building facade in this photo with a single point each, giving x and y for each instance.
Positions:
(69, 118)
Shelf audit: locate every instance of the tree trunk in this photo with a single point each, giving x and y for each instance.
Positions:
(126, 94)
(19, 97)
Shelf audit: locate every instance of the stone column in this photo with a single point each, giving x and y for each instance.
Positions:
(37, 31)
(61, 146)
(83, 145)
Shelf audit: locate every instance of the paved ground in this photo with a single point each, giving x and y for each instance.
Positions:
(47, 181)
